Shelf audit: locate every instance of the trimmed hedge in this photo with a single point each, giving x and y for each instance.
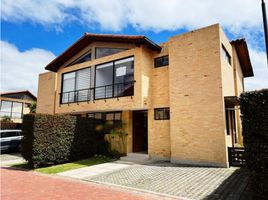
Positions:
(50, 140)
(254, 110)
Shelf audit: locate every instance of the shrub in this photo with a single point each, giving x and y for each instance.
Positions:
(58, 139)
(254, 110)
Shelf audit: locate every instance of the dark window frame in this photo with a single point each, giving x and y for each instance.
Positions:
(103, 115)
(113, 83)
(161, 65)
(75, 78)
(164, 109)
(226, 55)
(76, 61)
(124, 49)
(11, 112)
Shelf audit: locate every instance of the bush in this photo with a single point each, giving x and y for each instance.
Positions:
(50, 140)
(254, 110)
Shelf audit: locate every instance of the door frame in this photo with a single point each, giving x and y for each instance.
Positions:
(133, 130)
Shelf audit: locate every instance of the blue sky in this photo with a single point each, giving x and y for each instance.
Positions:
(33, 32)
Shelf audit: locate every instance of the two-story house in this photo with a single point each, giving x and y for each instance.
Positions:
(178, 99)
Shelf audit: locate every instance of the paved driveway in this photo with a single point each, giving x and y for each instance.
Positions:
(11, 158)
(170, 179)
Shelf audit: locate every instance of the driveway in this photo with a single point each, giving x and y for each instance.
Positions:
(174, 180)
(29, 185)
(8, 159)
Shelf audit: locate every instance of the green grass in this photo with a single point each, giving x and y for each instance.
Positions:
(67, 166)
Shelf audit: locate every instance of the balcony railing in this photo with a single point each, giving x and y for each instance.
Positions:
(101, 92)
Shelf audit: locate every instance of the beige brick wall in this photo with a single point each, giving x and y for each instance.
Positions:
(196, 101)
(193, 86)
(46, 93)
(159, 130)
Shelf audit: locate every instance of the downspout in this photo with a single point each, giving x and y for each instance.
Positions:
(265, 26)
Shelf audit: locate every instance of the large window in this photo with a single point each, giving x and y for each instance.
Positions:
(85, 57)
(161, 61)
(225, 54)
(76, 86)
(105, 51)
(161, 114)
(115, 79)
(11, 109)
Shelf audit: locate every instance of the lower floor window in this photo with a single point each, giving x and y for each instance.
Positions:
(161, 114)
(108, 116)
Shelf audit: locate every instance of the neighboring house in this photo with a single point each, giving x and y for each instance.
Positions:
(178, 99)
(15, 104)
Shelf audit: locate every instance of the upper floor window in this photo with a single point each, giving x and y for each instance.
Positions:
(85, 57)
(75, 86)
(10, 109)
(105, 51)
(115, 79)
(161, 61)
(225, 54)
(161, 114)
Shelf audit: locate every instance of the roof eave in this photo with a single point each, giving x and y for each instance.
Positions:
(243, 56)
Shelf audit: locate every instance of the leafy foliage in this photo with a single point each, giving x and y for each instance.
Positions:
(254, 110)
(50, 140)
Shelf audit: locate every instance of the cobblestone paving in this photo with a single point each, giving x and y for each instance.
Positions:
(188, 182)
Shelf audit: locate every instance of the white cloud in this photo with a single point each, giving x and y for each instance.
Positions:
(259, 63)
(242, 18)
(19, 70)
(156, 15)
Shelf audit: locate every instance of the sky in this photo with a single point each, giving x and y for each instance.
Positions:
(34, 32)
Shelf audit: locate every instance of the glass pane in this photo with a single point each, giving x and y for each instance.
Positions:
(5, 108)
(102, 51)
(124, 77)
(16, 110)
(83, 84)
(68, 82)
(109, 116)
(117, 116)
(104, 81)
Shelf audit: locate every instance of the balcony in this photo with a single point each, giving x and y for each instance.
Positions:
(96, 93)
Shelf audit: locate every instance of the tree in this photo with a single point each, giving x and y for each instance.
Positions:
(32, 107)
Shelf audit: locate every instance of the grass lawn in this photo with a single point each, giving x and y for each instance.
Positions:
(67, 166)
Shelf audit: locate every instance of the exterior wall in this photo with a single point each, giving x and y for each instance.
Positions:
(159, 130)
(46, 93)
(239, 88)
(196, 101)
(113, 104)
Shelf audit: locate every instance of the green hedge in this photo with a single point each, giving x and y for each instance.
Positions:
(254, 110)
(50, 140)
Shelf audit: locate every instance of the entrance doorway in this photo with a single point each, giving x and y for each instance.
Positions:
(140, 131)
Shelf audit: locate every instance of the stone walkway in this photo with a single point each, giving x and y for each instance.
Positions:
(187, 182)
(94, 170)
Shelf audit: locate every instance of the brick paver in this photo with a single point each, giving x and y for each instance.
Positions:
(24, 185)
(188, 182)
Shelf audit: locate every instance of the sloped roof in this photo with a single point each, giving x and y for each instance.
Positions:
(19, 92)
(87, 38)
(243, 56)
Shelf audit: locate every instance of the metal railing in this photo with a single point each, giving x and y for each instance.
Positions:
(100, 92)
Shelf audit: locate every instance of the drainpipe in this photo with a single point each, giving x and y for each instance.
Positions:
(265, 26)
